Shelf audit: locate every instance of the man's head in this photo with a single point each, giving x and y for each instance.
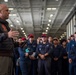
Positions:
(44, 38)
(63, 42)
(31, 37)
(72, 37)
(55, 40)
(75, 35)
(39, 40)
(4, 12)
(50, 39)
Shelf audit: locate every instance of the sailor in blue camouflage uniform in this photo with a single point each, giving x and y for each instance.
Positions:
(22, 61)
(31, 53)
(72, 56)
(65, 63)
(56, 58)
(44, 51)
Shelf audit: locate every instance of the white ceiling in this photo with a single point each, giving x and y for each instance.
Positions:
(33, 16)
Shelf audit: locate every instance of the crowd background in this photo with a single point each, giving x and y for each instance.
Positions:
(46, 56)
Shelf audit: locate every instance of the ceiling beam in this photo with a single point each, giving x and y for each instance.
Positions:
(32, 16)
(57, 12)
(68, 17)
(43, 13)
(15, 5)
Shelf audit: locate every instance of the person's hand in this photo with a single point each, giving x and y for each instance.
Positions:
(55, 59)
(26, 54)
(70, 61)
(65, 57)
(12, 34)
(32, 57)
(42, 57)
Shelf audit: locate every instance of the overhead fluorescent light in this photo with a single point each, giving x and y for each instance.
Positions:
(17, 21)
(48, 24)
(64, 32)
(49, 20)
(5, 0)
(47, 28)
(21, 28)
(11, 8)
(53, 8)
(23, 31)
(51, 15)
(25, 35)
(60, 39)
(48, 8)
(11, 25)
(12, 15)
(61, 36)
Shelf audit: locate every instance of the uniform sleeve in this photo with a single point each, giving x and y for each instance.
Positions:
(60, 56)
(37, 50)
(72, 54)
(69, 50)
(50, 50)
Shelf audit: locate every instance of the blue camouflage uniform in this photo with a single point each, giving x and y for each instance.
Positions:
(65, 64)
(44, 66)
(16, 56)
(72, 55)
(57, 65)
(23, 60)
(31, 50)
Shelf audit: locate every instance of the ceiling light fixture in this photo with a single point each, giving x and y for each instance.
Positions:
(61, 36)
(17, 21)
(6, 0)
(64, 32)
(25, 35)
(47, 28)
(51, 15)
(11, 25)
(23, 31)
(48, 24)
(53, 8)
(48, 8)
(60, 39)
(11, 8)
(21, 28)
(12, 15)
(49, 20)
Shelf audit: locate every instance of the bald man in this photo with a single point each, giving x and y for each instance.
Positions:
(6, 42)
